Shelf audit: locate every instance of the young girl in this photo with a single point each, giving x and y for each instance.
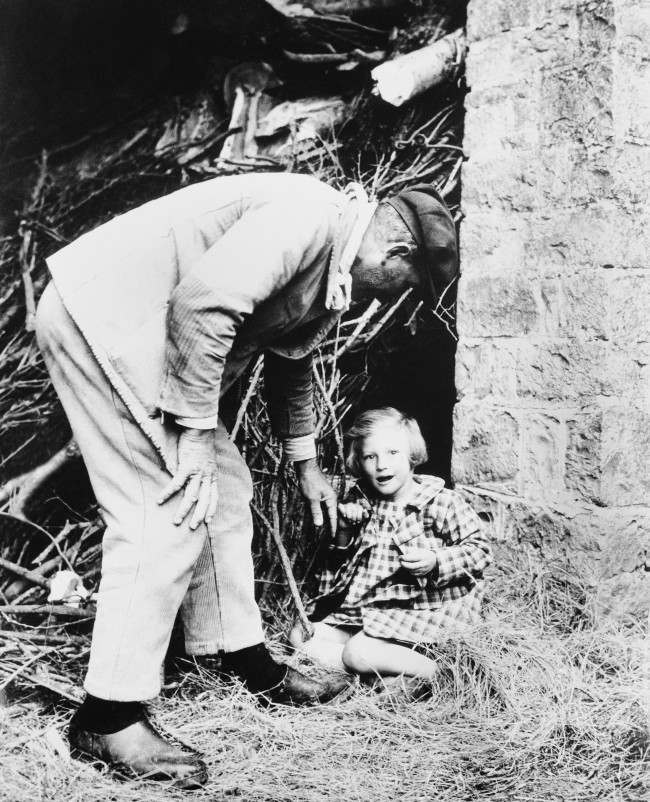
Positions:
(412, 569)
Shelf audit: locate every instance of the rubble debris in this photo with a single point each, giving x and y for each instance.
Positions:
(409, 75)
(293, 128)
(266, 134)
(244, 93)
(191, 133)
(357, 55)
(67, 587)
(333, 7)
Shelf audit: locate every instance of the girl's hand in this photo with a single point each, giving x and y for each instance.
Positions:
(419, 562)
(354, 512)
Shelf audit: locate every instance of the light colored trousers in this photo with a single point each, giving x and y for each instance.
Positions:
(150, 567)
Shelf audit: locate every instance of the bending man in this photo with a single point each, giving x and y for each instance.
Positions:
(149, 319)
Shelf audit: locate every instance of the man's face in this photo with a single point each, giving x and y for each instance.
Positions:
(386, 277)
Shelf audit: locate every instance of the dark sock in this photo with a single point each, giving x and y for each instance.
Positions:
(255, 666)
(104, 717)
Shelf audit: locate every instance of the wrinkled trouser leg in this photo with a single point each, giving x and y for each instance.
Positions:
(219, 611)
(147, 562)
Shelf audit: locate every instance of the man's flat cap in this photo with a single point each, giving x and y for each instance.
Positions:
(428, 219)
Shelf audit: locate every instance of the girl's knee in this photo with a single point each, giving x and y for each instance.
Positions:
(354, 655)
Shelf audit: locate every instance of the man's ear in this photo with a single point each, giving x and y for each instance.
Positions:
(399, 249)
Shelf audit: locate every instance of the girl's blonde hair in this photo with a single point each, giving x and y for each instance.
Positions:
(367, 422)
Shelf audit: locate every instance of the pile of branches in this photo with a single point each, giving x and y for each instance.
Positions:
(48, 517)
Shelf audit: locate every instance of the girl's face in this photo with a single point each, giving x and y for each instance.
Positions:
(384, 461)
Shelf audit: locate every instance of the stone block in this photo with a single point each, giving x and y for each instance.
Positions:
(493, 241)
(582, 468)
(500, 179)
(624, 598)
(584, 305)
(576, 104)
(618, 538)
(603, 234)
(569, 174)
(486, 444)
(631, 173)
(631, 105)
(628, 371)
(626, 456)
(542, 456)
(486, 18)
(496, 305)
(613, 544)
(632, 23)
(628, 306)
(504, 60)
(499, 117)
(554, 35)
(486, 369)
(561, 370)
(596, 27)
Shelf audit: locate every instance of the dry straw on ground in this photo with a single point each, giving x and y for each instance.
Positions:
(527, 709)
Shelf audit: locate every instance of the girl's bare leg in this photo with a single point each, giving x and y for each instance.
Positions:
(325, 646)
(365, 655)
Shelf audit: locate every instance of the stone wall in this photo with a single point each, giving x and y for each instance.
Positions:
(553, 374)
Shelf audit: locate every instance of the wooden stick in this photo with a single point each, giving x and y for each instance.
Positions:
(21, 519)
(24, 666)
(25, 573)
(45, 638)
(252, 384)
(410, 74)
(23, 487)
(46, 609)
(274, 528)
(27, 254)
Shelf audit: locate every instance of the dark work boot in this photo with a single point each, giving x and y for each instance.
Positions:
(138, 751)
(277, 683)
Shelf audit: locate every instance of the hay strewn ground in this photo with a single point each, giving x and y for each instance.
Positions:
(543, 703)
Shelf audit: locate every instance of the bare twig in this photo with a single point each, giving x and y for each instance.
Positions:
(46, 609)
(252, 386)
(274, 529)
(24, 573)
(27, 254)
(19, 491)
(40, 529)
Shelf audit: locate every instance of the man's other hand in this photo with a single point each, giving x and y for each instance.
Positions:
(354, 512)
(317, 491)
(197, 473)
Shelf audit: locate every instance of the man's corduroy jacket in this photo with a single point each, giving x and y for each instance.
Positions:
(177, 296)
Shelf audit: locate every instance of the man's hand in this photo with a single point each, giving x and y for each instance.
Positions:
(354, 512)
(419, 562)
(197, 473)
(317, 491)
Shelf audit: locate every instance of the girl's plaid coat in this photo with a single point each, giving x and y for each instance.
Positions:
(372, 590)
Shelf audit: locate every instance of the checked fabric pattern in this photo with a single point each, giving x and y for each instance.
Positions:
(371, 590)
